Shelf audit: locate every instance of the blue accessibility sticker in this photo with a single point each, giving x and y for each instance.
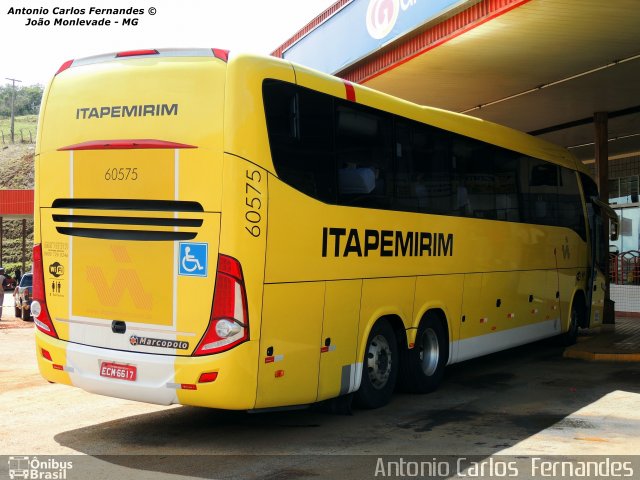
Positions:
(194, 259)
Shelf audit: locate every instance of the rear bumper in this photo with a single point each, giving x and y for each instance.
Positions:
(161, 379)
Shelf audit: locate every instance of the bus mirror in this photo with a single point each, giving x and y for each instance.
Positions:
(614, 225)
(614, 222)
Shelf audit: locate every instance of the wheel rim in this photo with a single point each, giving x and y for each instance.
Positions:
(429, 352)
(379, 361)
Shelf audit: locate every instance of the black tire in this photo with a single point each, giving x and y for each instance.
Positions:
(18, 311)
(424, 364)
(570, 337)
(380, 367)
(26, 315)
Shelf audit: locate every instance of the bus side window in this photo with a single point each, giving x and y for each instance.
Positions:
(424, 178)
(363, 155)
(410, 190)
(300, 128)
(539, 187)
(406, 196)
(475, 170)
(570, 213)
(506, 168)
(346, 153)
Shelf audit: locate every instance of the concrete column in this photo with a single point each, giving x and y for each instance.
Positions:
(601, 123)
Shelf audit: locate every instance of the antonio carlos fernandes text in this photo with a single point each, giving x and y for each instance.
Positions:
(496, 468)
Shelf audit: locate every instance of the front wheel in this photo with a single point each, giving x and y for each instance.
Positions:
(380, 367)
(426, 361)
(26, 315)
(570, 337)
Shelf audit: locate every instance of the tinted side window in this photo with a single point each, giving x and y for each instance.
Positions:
(344, 153)
(570, 212)
(540, 181)
(448, 174)
(475, 176)
(424, 180)
(507, 166)
(589, 186)
(363, 155)
(300, 127)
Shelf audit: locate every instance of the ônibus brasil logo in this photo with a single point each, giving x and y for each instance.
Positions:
(27, 467)
(383, 14)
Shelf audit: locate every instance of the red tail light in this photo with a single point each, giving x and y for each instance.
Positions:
(229, 323)
(39, 306)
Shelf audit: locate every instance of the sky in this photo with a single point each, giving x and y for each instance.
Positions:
(33, 53)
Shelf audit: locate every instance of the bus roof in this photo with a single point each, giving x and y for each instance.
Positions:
(466, 125)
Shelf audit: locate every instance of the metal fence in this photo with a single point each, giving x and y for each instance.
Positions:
(22, 135)
(624, 268)
(624, 271)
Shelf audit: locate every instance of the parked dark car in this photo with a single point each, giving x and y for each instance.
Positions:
(22, 297)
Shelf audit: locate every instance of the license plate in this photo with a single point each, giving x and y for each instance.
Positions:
(118, 371)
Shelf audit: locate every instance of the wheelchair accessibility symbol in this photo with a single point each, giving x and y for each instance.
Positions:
(193, 259)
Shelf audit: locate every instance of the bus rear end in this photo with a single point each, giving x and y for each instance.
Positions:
(133, 296)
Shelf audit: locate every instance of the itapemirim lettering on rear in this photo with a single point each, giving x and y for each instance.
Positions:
(127, 111)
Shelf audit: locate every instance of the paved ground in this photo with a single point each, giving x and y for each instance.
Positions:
(525, 402)
(8, 315)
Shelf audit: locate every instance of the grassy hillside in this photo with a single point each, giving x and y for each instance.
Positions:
(16, 172)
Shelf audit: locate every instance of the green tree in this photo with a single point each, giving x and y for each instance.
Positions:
(27, 102)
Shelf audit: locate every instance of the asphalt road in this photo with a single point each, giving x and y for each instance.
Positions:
(524, 402)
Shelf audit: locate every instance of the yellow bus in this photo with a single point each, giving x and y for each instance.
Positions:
(244, 233)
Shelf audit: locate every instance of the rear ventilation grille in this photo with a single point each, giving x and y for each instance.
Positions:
(124, 204)
(159, 222)
(69, 221)
(140, 235)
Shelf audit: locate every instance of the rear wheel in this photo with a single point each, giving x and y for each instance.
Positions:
(18, 311)
(380, 367)
(425, 362)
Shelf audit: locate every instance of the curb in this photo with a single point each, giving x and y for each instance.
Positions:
(601, 357)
